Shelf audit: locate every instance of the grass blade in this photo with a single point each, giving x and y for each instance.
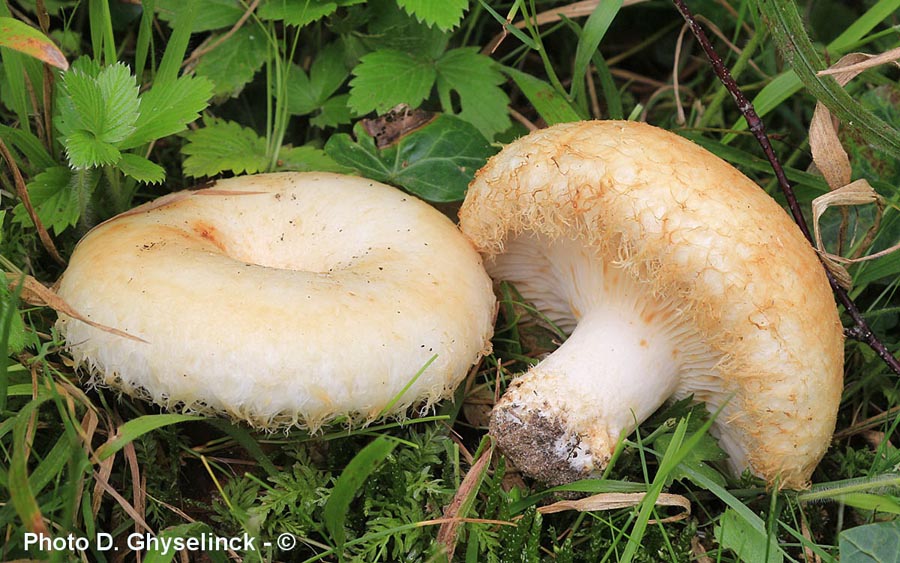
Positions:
(594, 30)
(351, 479)
(133, 429)
(794, 44)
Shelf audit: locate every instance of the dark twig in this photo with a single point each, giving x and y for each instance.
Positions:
(860, 329)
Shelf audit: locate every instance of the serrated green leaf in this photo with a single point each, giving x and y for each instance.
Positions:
(221, 146)
(55, 201)
(216, 14)
(82, 104)
(476, 80)
(872, 543)
(436, 162)
(234, 63)
(444, 14)
(141, 169)
(386, 78)
(86, 151)
(301, 12)
(392, 28)
(167, 108)
(308, 158)
(21, 37)
(120, 101)
(552, 106)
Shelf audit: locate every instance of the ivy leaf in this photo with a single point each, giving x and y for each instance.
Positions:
(872, 542)
(221, 146)
(167, 108)
(301, 12)
(445, 14)
(54, 198)
(141, 169)
(476, 80)
(435, 162)
(386, 78)
(231, 65)
(308, 158)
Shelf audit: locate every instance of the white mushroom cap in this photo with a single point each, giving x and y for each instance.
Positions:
(676, 276)
(281, 299)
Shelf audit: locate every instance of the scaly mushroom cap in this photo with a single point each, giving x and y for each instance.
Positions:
(679, 276)
(281, 299)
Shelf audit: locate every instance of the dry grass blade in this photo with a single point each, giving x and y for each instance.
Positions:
(22, 192)
(833, 162)
(455, 512)
(33, 292)
(859, 66)
(614, 501)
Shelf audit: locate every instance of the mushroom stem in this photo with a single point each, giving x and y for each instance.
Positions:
(613, 372)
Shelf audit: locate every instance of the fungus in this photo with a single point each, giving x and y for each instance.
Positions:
(280, 299)
(675, 276)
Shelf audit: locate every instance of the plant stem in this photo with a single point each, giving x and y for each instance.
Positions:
(860, 329)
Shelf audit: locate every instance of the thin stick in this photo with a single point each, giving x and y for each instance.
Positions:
(860, 329)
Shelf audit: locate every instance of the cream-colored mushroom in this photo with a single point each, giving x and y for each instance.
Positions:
(281, 299)
(675, 276)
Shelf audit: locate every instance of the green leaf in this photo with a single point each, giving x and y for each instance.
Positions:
(23, 38)
(351, 479)
(301, 12)
(141, 169)
(436, 162)
(386, 78)
(474, 77)
(307, 158)
(234, 63)
(224, 145)
(11, 325)
(137, 427)
(333, 112)
(308, 93)
(56, 202)
(85, 150)
(552, 106)
(97, 111)
(167, 108)
(872, 543)
(444, 14)
(120, 100)
(215, 14)
(749, 543)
